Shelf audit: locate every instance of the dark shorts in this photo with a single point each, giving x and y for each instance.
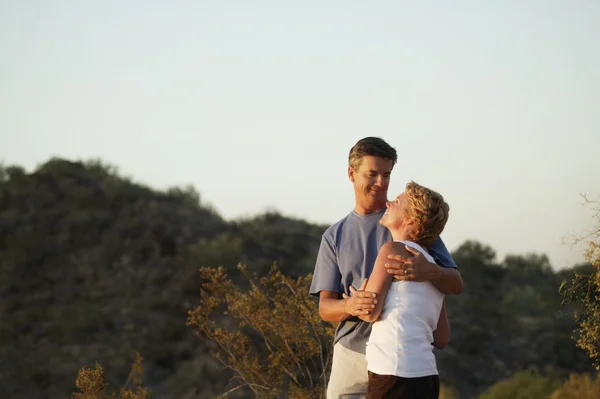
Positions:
(391, 386)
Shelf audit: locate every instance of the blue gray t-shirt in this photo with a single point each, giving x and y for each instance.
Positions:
(346, 257)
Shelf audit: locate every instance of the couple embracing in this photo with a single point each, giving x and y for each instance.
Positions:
(383, 345)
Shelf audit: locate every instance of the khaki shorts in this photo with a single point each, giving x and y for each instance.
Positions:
(349, 378)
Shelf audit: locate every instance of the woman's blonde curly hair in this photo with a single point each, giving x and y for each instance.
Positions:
(427, 210)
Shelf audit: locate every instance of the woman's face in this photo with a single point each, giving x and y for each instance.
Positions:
(395, 214)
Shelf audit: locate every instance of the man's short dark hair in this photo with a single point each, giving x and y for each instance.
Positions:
(371, 146)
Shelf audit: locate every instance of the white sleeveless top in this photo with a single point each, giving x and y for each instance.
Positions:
(400, 343)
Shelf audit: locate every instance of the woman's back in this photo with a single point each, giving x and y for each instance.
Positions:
(401, 340)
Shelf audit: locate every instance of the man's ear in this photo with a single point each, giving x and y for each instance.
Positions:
(351, 173)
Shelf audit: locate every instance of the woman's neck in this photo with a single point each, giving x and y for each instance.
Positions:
(399, 235)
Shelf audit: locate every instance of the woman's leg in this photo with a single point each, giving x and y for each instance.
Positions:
(425, 387)
(388, 387)
(394, 387)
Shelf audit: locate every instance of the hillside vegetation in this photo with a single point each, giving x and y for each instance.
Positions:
(96, 268)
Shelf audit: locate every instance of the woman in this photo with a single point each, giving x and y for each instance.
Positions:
(410, 317)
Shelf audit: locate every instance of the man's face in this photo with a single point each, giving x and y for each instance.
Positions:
(371, 178)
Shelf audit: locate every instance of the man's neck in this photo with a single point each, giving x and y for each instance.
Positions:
(368, 209)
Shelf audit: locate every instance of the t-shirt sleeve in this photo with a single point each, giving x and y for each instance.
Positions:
(327, 276)
(440, 254)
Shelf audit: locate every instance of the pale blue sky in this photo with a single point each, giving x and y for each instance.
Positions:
(256, 103)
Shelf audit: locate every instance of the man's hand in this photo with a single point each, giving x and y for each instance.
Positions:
(361, 302)
(412, 268)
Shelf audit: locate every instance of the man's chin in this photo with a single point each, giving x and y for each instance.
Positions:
(376, 200)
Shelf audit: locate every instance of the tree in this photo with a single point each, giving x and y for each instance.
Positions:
(92, 384)
(270, 335)
(583, 290)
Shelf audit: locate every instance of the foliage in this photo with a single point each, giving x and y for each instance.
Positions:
(91, 269)
(583, 290)
(94, 267)
(448, 392)
(578, 386)
(273, 339)
(507, 319)
(535, 385)
(92, 384)
(522, 385)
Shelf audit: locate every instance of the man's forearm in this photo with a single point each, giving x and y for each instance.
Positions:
(333, 310)
(448, 281)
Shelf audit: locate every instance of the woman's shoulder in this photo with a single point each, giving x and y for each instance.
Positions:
(395, 248)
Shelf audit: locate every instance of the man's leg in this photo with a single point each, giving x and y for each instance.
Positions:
(349, 378)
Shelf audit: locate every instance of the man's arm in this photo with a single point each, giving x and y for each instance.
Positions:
(418, 268)
(326, 284)
(444, 274)
(448, 281)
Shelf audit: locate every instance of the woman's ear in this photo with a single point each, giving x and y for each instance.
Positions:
(408, 225)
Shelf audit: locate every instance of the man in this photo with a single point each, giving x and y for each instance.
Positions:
(346, 257)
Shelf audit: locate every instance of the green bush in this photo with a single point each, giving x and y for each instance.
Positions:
(523, 385)
(578, 386)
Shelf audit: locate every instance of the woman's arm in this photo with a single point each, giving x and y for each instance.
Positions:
(441, 335)
(380, 280)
